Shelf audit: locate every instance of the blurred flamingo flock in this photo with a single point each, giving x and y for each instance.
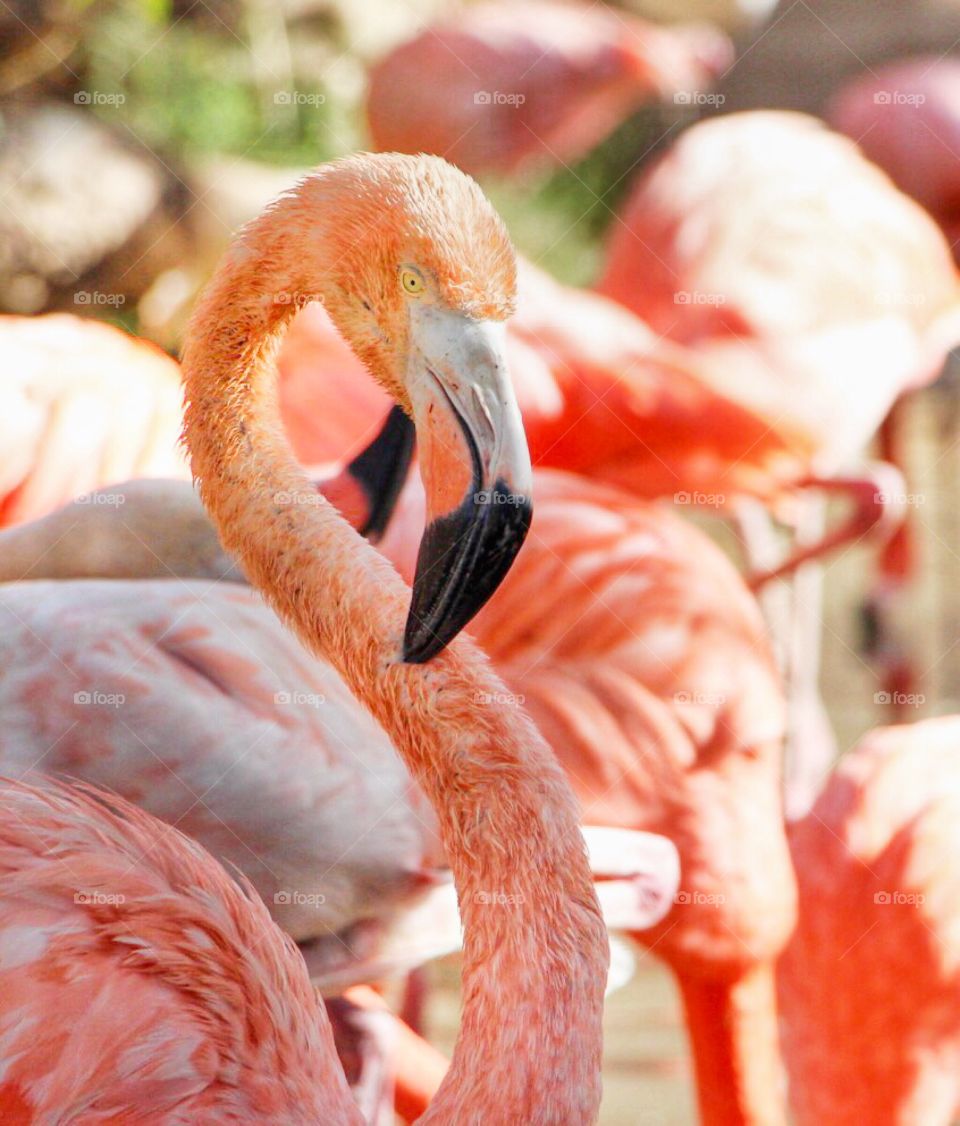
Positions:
(478, 619)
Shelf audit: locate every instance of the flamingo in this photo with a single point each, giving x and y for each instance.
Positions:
(906, 117)
(819, 344)
(417, 271)
(140, 981)
(877, 1039)
(517, 87)
(85, 405)
(270, 763)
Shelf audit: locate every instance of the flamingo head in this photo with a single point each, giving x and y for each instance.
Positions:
(420, 278)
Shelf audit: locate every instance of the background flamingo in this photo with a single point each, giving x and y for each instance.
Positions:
(271, 764)
(878, 1039)
(514, 87)
(84, 405)
(818, 301)
(172, 992)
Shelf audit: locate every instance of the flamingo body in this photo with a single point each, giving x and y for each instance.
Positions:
(530, 84)
(84, 406)
(812, 291)
(138, 980)
(878, 1039)
(269, 761)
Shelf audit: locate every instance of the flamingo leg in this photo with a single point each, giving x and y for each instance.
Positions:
(811, 746)
(416, 1067)
(896, 568)
(878, 503)
(793, 610)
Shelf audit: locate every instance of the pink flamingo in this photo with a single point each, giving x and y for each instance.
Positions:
(139, 979)
(270, 763)
(84, 405)
(906, 117)
(877, 1037)
(416, 269)
(521, 86)
(813, 294)
(819, 344)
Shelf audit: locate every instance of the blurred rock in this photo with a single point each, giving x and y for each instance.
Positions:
(89, 218)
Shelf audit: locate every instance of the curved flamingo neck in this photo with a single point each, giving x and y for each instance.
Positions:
(535, 950)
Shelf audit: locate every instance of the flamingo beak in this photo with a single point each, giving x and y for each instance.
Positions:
(476, 473)
(366, 491)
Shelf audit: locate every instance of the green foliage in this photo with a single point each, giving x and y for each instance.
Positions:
(191, 88)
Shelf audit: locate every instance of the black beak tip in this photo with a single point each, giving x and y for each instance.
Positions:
(464, 557)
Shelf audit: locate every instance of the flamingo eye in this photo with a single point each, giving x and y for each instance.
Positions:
(412, 282)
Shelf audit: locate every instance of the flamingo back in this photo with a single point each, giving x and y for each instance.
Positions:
(138, 982)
